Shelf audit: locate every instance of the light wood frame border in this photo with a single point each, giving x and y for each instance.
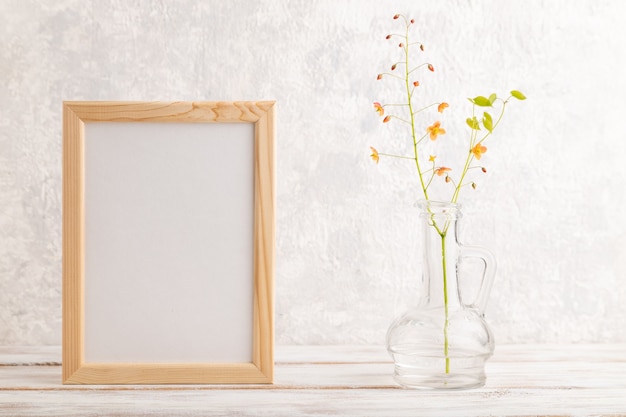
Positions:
(75, 115)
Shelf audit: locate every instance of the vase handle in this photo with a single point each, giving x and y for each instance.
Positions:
(489, 274)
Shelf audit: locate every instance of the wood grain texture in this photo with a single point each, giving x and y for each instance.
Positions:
(534, 380)
(76, 114)
(264, 242)
(177, 111)
(73, 241)
(145, 373)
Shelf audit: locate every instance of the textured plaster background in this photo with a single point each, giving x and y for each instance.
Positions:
(551, 206)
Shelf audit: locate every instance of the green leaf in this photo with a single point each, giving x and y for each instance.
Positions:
(481, 101)
(473, 123)
(518, 95)
(488, 122)
(492, 98)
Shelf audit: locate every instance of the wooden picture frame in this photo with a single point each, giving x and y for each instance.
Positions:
(161, 175)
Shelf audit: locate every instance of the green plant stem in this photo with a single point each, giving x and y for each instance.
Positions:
(445, 302)
(468, 162)
(409, 94)
(395, 156)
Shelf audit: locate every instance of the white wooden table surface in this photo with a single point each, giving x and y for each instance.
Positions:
(522, 380)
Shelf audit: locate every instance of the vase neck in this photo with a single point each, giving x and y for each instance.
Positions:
(440, 253)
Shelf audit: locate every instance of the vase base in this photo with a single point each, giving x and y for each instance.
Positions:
(438, 382)
(419, 367)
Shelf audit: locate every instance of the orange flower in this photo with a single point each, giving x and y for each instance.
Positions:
(442, 170)
(379, 108)
(441, 107)
(374, 154)
(479, 150)
(432, 158)
(435, 130)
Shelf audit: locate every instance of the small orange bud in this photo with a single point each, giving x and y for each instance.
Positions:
(412, 21)
(388, 37)
(441, 107)
(474, 185)
(380, 77)
(386, 119)
(400, 45)
(396, 16)
(430, 67)
(416, 83)
(422, 46)
(483, 169)
(393, 67)
(448, 179)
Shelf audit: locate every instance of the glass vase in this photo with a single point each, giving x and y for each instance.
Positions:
(444, 341)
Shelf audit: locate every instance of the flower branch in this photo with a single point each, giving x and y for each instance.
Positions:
(486, 123)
